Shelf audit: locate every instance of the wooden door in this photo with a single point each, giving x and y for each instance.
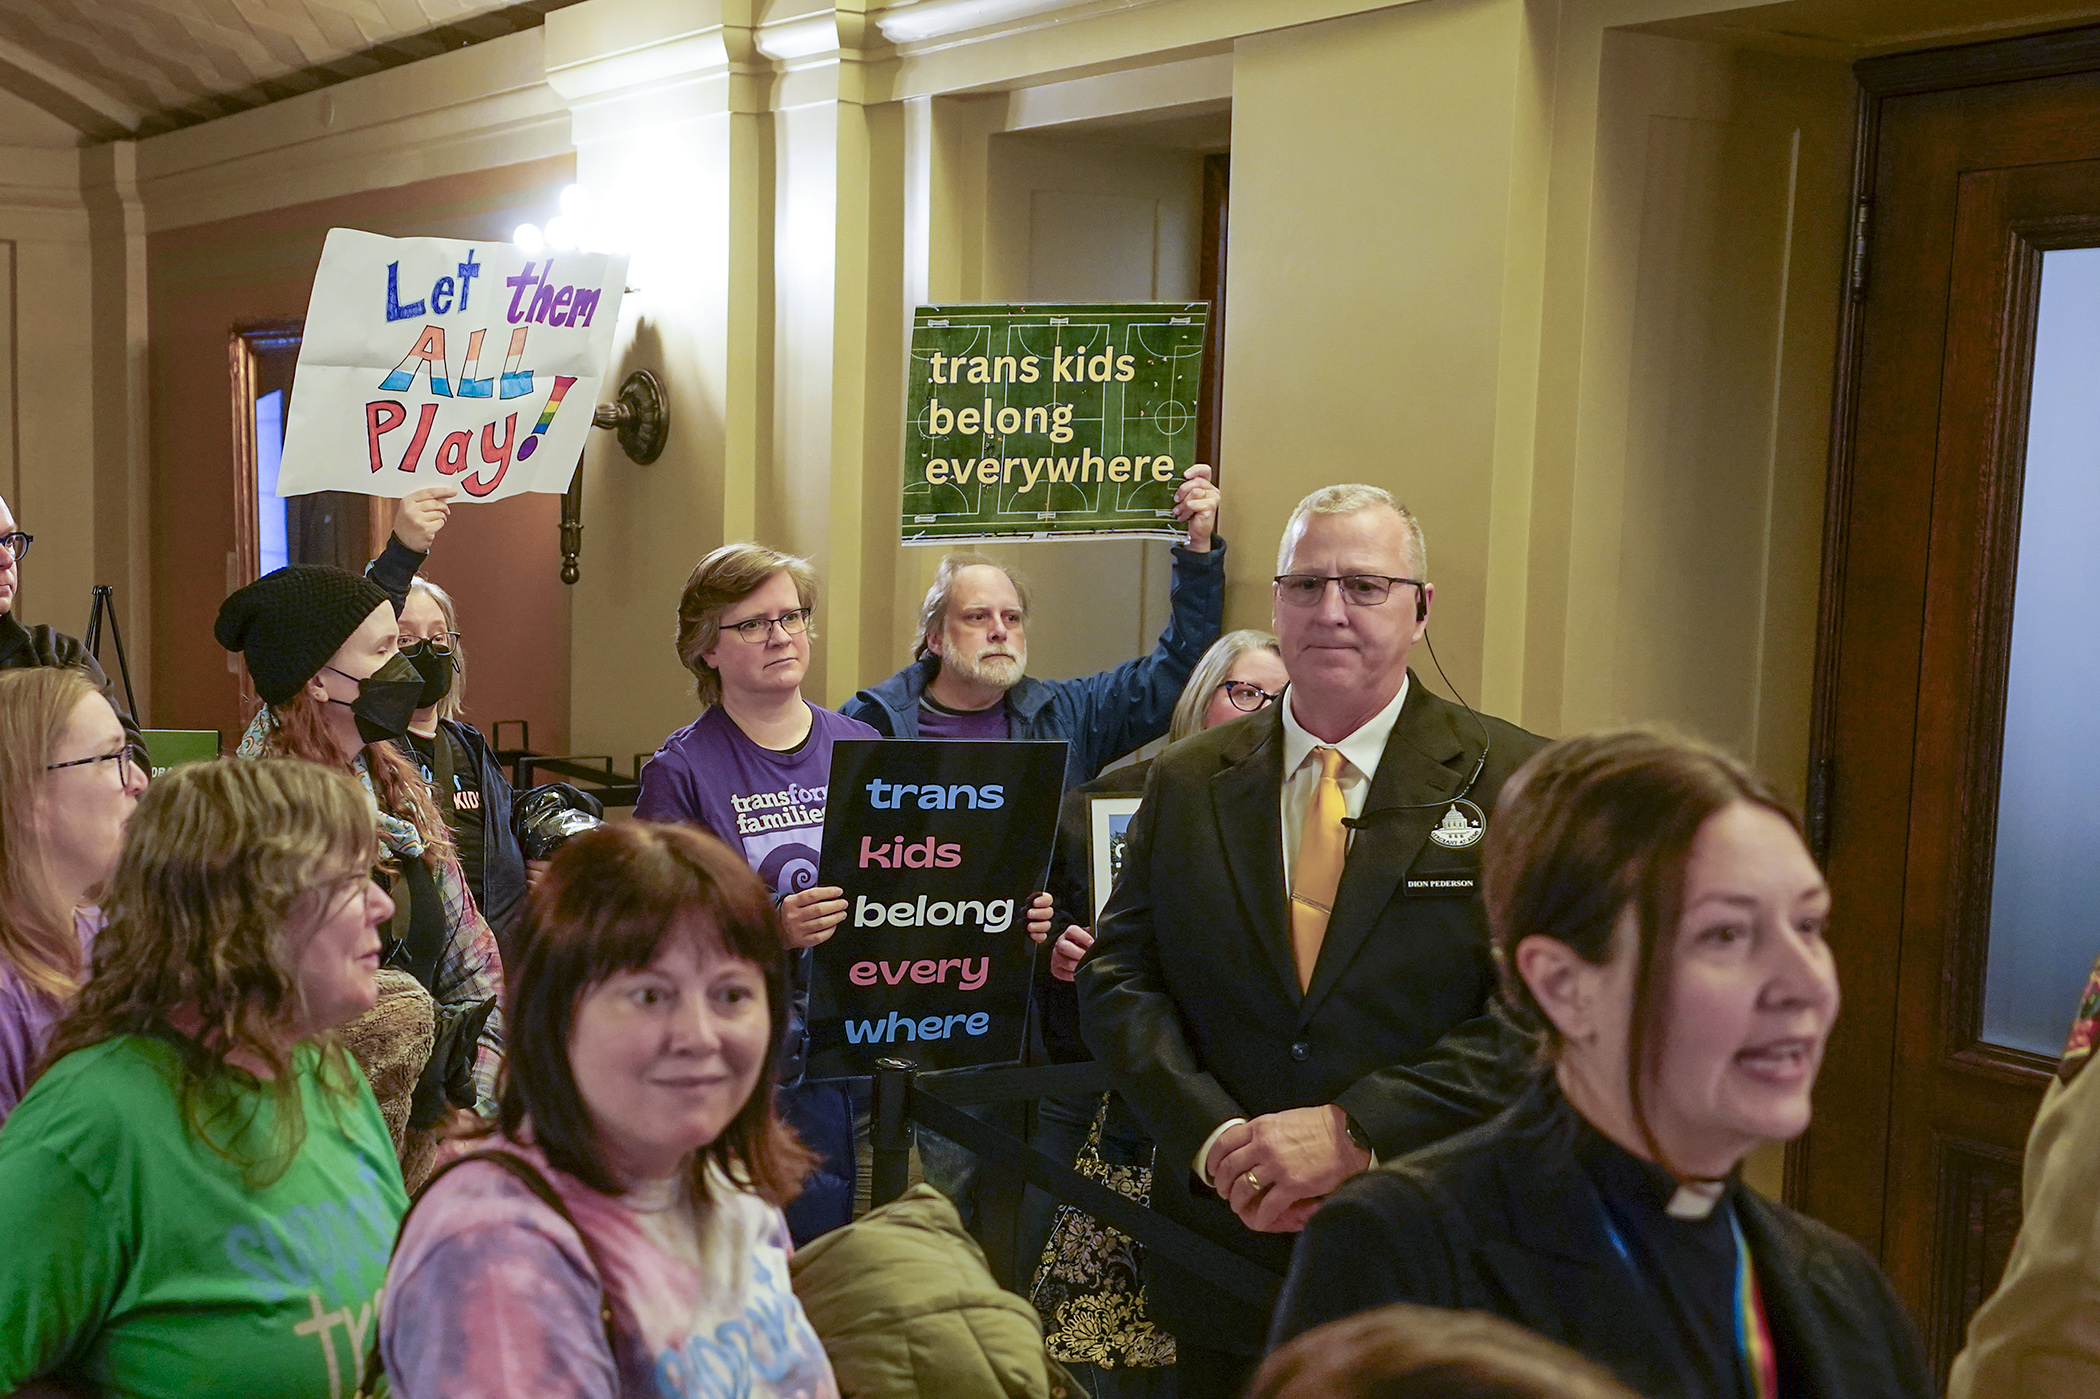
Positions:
(1975, 164)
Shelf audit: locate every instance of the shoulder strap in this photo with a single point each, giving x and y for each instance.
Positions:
(527, 1175)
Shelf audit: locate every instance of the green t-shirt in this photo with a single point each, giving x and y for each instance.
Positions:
(138, 1260)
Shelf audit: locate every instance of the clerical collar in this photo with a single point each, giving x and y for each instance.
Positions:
(1621, 1175)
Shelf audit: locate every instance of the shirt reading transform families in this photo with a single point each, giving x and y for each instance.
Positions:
(492, 1295)
(765, 805)
(140, 1262)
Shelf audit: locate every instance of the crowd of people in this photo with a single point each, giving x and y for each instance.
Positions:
(320, 1076)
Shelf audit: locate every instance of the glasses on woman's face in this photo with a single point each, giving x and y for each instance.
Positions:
(444, 642)
(1247, 695)
(130, 760)
(17, 543)
(757, 629)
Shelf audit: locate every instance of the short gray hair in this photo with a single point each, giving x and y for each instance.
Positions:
(1347, 500)
(933, 612)
(1210, 673)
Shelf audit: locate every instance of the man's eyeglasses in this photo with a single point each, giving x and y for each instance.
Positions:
(759, 628)
(1247, 695)
(1358, 589)
(17, 543)
(129, 758)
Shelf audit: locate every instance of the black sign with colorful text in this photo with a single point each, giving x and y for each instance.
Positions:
(939, 846)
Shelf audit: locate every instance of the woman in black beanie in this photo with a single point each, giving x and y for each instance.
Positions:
(321, 645)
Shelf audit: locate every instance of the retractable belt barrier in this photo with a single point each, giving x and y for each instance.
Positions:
(902, 1094)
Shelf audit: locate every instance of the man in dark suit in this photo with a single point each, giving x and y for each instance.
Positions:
(1292, 978)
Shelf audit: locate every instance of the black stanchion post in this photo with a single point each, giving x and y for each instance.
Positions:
(890, 1131)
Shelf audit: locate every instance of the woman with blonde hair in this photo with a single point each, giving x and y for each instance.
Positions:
(321, 644)
(468, 784)
(68, 781)
(198, 1187)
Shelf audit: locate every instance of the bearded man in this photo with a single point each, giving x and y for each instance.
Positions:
(968, 680)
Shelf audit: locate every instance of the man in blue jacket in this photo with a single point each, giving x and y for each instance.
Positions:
(967, 679)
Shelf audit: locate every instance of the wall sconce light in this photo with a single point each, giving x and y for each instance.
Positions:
(640, 418)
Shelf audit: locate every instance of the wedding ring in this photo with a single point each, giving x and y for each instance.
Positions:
(1252, 1181)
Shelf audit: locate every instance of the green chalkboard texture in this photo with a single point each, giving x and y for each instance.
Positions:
(1049, 421)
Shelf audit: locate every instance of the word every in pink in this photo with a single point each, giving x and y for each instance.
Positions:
(972, 972)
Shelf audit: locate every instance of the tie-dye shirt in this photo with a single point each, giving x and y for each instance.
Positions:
(492, 1296)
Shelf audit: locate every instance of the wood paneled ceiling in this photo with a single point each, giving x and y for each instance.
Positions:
(116, 68)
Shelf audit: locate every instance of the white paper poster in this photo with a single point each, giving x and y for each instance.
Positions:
(428, 361)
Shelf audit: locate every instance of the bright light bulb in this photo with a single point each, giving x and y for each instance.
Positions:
(561, 233)
(574, 200)
(527, 236)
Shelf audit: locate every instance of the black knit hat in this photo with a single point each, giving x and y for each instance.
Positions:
(288, 622)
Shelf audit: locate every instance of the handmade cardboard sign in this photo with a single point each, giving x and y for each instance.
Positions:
(428, 361)
(1050, 421)
(939, 846)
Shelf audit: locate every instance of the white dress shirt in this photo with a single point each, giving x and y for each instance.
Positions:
(1360, 751)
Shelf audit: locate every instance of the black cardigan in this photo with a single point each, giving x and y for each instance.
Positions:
(1504, 1219)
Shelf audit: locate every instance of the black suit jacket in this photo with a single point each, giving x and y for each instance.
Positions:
(1191, 999)
(1504, 1219)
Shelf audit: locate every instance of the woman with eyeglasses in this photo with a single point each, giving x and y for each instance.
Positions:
(760, 749)
(471, 789)
(69, 779)
(198, 1188)
(1242, 673)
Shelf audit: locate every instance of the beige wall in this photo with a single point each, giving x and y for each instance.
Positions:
(1080, 220)
(47, 366)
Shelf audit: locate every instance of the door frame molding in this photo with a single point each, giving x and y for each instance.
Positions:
(2054, 53)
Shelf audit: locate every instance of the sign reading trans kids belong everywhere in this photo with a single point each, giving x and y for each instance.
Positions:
(939, 846)
(1050, 421)
(431, 361)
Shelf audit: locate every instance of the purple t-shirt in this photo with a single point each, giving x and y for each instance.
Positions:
(982, 723)
(766, 806)
(26, 1018)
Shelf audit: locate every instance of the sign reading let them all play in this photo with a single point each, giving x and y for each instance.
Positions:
(1050, 421)
(939, 847)
(428, 361)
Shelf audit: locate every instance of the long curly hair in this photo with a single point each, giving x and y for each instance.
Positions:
(225, 870)
(37, 941)
(300, 731)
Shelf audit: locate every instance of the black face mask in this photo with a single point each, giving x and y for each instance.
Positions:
(436, 666)
(386, 699)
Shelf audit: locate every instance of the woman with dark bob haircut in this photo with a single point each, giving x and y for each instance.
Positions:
(624, 1236)
(1654, 910)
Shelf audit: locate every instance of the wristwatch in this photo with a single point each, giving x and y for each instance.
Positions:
(1356, 1134)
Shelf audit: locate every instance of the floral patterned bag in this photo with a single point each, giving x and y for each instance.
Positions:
(1086, 1287)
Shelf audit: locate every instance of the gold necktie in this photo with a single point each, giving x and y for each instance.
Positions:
(1323, 843)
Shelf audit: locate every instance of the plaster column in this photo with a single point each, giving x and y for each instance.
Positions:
(665, 102)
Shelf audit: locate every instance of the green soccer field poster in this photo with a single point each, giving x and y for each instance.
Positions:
(1050, 421)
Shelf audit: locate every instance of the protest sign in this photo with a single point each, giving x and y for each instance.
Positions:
(939, 846)
(377, 407)
(1050, 421)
